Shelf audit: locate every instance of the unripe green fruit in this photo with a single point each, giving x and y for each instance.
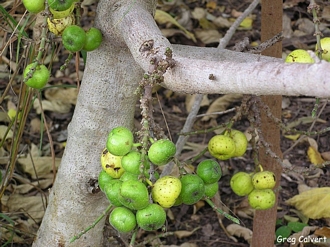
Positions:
(264, 180)
(120, 141)
(262, 199)
(73, 38)
(134, 195)
(166, 190)
(209, 171)
(151, 217)
(93, 39)
(122, 219)
(39, 77)
(211, 189)
(241, 183)
(111, 164)
(60, 5)
(161, 152)
(103, 179)
(132, 162)
(325, 45)
(111, 190)
(221, 147)
(299, 56)
(192, 190)
(129, 176)
(34, 6)
(240, 142)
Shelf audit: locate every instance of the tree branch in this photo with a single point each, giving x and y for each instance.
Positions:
(230, 72)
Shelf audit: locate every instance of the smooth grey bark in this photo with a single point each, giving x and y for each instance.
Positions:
(106, 100)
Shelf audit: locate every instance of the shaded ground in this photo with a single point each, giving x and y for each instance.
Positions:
(199, 223)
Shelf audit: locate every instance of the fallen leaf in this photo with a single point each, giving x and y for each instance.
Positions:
(208, 36)
(3, 132)
(54, 106)
(40, 165)
(313, 203)
(326, 155)
(190, 99)
(221, 104)
(62, 94)
(292, 137)
(184, 234)
(247, 23)
(324, 232)
(314, 156)
(162, 18)
(240, 232)
(30, 206)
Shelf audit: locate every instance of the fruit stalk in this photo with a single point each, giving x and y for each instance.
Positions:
(228, 216)
(106, 211)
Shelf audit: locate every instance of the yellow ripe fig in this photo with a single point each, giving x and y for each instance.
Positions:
(240, 142)
(241, 183)
(221, 147)
(264, 180)
(262, 199)
(57, 26)
(61, 14)
(166, 190)
(299, 56)
(111, 164)
(325, 45)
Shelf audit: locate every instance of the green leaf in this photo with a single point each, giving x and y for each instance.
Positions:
(282, 233)
(296, 226)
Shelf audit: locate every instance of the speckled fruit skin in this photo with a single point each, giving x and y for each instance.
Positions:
(264, 180)
(73, 38)
(111, 190)
(325, 44)
(134, 195)
(39, 78)
(241, 183)
(221, 147)
(262, 199)
(299, 56)
(103, 179)
(161, 152)
(151, 217)
(34, 6)
(111, 164)
(240, 142)
(120, 141)
(209, 171)
(192, 190)
(93, 39)
(211, 189)
(122, 219)
(131, 162)
(166, 190)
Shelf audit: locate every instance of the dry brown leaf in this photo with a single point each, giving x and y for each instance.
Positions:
(313, 203)
(163, 18)
(30, 206)
(314, 156)
(4, 156)
(65, 95)
(240, 231)
(326, 155)
(208, 36)
(54, 106)
(304, 120)
(221, 104)
(323, 232)
(42, 165)
(184, 234)
(41, 184)
(296, 237)
(190, 99)
(3, 131)
(312, 143)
